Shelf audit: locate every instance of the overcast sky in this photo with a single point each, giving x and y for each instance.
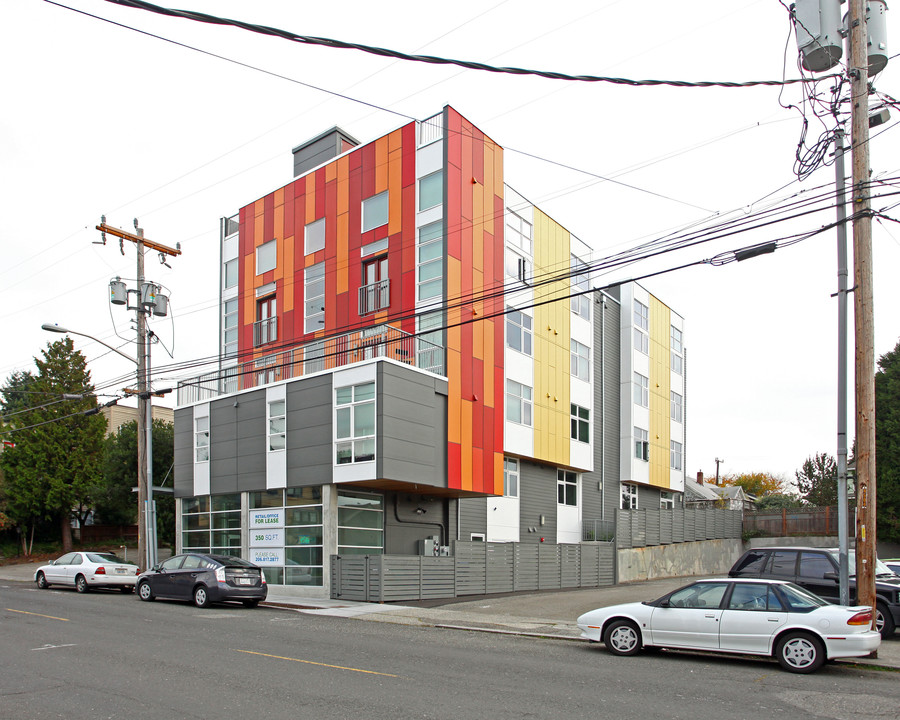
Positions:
(116, 111)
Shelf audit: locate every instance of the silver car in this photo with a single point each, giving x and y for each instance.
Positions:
(87, 570)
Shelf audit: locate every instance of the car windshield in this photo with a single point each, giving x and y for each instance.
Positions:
(800, 600)
(103, 558)
(881, 570)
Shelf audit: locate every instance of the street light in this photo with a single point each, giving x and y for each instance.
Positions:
(146, 512)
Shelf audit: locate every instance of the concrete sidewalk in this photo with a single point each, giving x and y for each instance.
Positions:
(542, 614)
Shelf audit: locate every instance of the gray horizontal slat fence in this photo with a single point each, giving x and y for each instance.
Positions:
(646, 528)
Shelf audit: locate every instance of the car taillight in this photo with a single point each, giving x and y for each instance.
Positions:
(137, 571)
(100, 571)
(220, 574)
(262, 578)
(861, 618)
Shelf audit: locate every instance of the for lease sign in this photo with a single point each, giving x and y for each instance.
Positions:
(267, 537)
(267, 557)
(268, 518)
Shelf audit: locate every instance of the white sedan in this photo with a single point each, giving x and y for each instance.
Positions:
(86, 570)
(731, 615)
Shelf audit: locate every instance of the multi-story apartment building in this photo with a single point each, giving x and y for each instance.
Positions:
(411, 354)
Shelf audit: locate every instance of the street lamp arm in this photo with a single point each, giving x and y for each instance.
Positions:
(57, 329)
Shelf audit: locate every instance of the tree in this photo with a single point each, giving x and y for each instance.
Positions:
(114, 501)
(58, 438)
(817, 480)
(777, 501)
(887, 445)
(758, 484)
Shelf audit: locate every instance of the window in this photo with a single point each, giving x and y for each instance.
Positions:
(265, 329)
(510, 477)
(355, 423)
(360, 523)
(375, 211)
(517, 266)
(230, 329)
(429, 345)
(266, 257)
(783, 562)
(276, 425)
(519, 246)
(666, 500)
(375, 294)
(815, 565)
(580, 423)
(231, 273)
(518, 332)
(518, 403)
(431, 190)
(581, 361)
(566, 488)
(581, 281)
(430, 261)
(704, 596)
(677, 351)
(677, 410)
(641, 444)
(675, 455)
(314, 294)
(641, 327)
(641, 390)
(629, 497)
(314, 236)
(201, 439)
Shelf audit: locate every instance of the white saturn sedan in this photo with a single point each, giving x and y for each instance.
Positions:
(756, 617)
(86, 570)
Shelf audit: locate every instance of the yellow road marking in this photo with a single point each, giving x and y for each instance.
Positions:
(25, 612)
(310, 662)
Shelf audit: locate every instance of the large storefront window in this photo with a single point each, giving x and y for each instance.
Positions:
(212, 523)
(285, 529)
(360, 523)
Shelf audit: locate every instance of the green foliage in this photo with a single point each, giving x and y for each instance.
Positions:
(115, 503)
(887, 445)
(777, 501)
(817, 480)
(56, 458)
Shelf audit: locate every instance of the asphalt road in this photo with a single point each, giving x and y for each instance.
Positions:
(108, 655)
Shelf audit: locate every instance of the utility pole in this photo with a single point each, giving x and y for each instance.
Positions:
(146, 303)
(863, 306)
(717, 469)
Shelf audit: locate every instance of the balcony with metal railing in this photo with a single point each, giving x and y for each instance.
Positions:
(380, 341)
(265, 331)
(374, 297)
(431, 129)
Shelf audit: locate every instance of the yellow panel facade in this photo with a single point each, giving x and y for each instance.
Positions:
(660, 386)
(551, 343)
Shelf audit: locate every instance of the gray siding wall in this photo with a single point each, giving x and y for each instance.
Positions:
(607, 341)
(237, 443)
(537, 497)
(412, 426)
(309, 432)
(472, 517)
(404, 527)
(184, 452)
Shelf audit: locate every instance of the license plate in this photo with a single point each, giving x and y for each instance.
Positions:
(245, 581)
(121, 571)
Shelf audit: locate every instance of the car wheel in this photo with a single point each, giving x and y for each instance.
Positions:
(201, 597)
(42, 581)
(81, 584)
(884, 621)
(800, 653)
(250, 603)
(622, 637)
(144, 592)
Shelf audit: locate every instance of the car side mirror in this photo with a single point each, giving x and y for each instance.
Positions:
(157, 568)
(830, 576)
(665, 603)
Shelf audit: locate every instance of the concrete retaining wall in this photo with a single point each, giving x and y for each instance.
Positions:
(824, 541)
(707, 557)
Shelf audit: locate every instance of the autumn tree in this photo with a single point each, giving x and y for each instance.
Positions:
(817, 480)
(887, 444)
(758, 484)
(51, 416)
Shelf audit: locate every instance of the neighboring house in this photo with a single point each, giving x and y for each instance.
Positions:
(119, 415)
(730, 497)
(412, 353)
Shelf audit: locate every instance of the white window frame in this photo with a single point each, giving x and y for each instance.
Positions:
(266, 257)
(580, 421)
(580, 366)
(641, 394)
(629, 497)
(314, 305)
(519, 330)
(375, 211)
(314, 236)
(520, 396)
(230, 330)
(677, 407)
(361, 446)
(520, 233)
(277, 416)
(510, 477)
(230, 274)
(641, 444)
(430, 271)
(566, 483)
(425, 188)
(201, 439)
(676, 341)
(666, 500)
(641, 327)
(676, 458)
(581, 281)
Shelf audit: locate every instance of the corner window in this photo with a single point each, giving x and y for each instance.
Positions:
(641, 390)
(566, 488)
(314, 237)
(375, 211)
(231, 273)
(641, 444)
(518, 403)
(510, 477)
(354, 423)
(677, 347)
(230, 329)
(675, 455)
(629, 497)
(581, 361)
(266, 257)
(580, 423)
(430, 262)
(677, 409)
(276, 425)
(314, 298)
(201, 439)
(431, 190)
(581, 282)
(518, 332)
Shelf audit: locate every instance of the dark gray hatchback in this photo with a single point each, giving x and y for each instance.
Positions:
(204, 579)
